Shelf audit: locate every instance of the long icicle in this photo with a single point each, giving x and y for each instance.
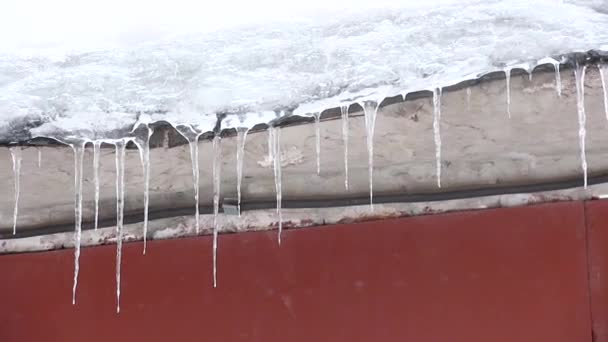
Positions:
(96, 152)
(345, 127)
(39, 157)
(241, 136)
(370, 111)
(217, 165)
(195, 176)
(78, 172)
(279, 181)
(603, 76)
(468, 99)
(579, 74)
(16, 157)
(120, 203)
(144, 156)
(274, 148)
(508, 80)
(437, 132)
(318, 140)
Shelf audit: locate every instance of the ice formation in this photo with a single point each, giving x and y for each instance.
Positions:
(78, 171)
(193, 137)
(370, 111)
(579, 73)
(217, 174)
(143, 145)
(437, 132)
(16, 157)
(318, 140)
(508, 87)
(345, 128)
(120, 207)
(274, 150)
(239, 77)
(96, 153)
(604, 78)
(240, 155)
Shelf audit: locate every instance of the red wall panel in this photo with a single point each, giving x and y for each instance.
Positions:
(597, 226)
(495, 275)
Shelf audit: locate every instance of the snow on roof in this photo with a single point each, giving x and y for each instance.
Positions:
(302, 65)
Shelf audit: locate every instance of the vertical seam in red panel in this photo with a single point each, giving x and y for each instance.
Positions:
(588, 265)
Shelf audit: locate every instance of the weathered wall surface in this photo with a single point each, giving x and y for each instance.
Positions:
(481, 147)
(517, 274)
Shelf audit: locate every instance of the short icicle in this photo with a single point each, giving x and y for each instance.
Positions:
(39, 157)
(318, 140)
(579, 74)
(217, 166)
(78, 172)
(508, 85)
(96, 153)
(144, 156)
(120, 204)
(241, 137)
(370, 111)
(193, 144)
(437, 131)
(558, 79)
(603, 76)
(468, 99)
(345, 129)
(16, 157)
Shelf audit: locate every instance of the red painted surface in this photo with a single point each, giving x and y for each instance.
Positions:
(597, 226)
(496, 275)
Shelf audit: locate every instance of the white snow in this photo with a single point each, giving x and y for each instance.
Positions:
(244, 60)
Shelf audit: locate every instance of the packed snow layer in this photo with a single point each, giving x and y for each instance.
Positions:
(301, 66)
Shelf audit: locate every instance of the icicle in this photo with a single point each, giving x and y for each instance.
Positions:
(78, 158)
(370, 110)
(344, 113)
(241, 136)
(437, 131)
(144, 156)
(274, 147)
(530, 75)
(16, 156)
(469, 99)
(603, 76)
(579, 74)
(558, 79)
(508, 79)
(120, 205)
(193, 144)
(39, 157)
(217, 166)
(195, 175)
(192, 136)
(96, 152)
(318, 140)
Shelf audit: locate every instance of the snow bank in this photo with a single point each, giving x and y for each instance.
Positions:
(296, 64)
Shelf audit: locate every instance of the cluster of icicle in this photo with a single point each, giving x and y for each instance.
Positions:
(370, 109)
